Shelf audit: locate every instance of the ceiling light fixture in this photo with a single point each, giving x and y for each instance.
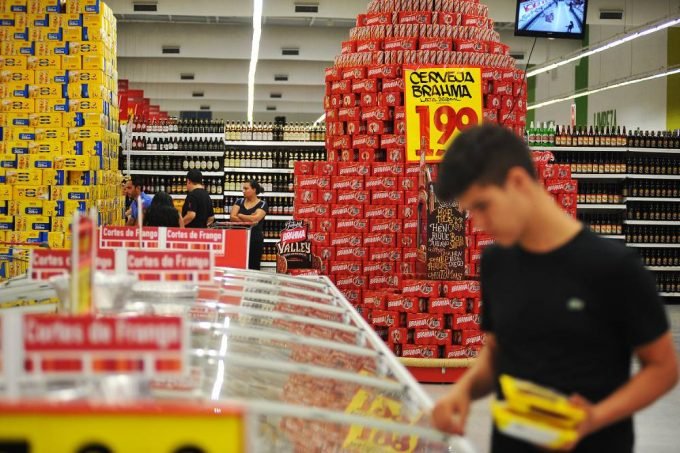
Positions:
(623, 38)
(610, 86)
(320, 120)
(254, 56)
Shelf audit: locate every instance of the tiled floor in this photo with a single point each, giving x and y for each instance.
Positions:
(657, 428)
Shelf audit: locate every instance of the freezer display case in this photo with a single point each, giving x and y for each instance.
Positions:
(305, 372)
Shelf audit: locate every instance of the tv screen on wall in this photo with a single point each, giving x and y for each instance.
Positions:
(551, 18)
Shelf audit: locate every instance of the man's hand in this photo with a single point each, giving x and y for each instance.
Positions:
(450, 413)
(587, 426)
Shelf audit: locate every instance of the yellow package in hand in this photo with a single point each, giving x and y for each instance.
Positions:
(536, 414)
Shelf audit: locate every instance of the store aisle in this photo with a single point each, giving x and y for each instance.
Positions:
(656, 428)
(556, 18)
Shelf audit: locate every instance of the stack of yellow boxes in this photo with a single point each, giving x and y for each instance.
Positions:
(58, 121)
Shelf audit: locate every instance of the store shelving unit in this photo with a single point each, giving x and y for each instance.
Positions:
(267, 146)
(175, 153)
(600, 206)
(630, 204)
(172, 173)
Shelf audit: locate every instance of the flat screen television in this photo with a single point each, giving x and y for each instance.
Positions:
(551, 18)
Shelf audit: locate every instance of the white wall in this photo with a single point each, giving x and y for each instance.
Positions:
(642, 105)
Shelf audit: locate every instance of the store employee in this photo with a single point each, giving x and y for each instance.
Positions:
(251, 209)
(563, 308)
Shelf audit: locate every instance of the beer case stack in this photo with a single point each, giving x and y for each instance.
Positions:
(58, 118)
(362, 203)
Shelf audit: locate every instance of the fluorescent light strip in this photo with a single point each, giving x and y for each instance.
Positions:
(626, 37)
(254, 56)
(638, 79)
(320, 120)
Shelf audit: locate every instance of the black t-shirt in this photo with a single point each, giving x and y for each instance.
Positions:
(198, 201)
(257, 229)
(569, 320)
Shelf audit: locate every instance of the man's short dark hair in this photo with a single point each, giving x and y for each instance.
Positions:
(481, 155)
(195, 176)
(137, 181)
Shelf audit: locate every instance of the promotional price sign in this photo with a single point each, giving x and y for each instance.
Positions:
(440, 104)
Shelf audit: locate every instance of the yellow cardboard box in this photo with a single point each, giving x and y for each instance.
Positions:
(5, 192)
(30, 161)
(23, 208)
(55, 240)
(6, 222)
(14, 147)
(8, 160)
(47, 91)
(17, 75)
(13, 6)
(47, 76)
(13, 34)
(30, 193)
(52, 62)
(49, 48)
(15, 134)
(77, 119)
(52, 147)
(70, 193)
(32, 223)
(17, 105)
(14, 62)
(96, 62)
(86, 133)
(16, 20)
(51, 105)
(14, 48)
(13, 90)
(44, 6)
(83, 148)
(73, 163)
(25, 177)
(53, 21)
(51, 133)
(89, 91)
(72, 62)
(88, 105)
(46, 119)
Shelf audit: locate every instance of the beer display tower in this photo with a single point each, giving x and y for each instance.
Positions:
(412, 75)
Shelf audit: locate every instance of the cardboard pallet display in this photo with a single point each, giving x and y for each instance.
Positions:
(59, 133)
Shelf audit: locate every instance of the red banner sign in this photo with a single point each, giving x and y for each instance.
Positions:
(50, 333)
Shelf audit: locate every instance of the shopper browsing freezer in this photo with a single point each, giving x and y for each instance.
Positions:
(197, 211)
(134, 189)
(563, 308)
(252, 209)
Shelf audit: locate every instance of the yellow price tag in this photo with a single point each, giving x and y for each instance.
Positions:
(361, 438)
(440, 104)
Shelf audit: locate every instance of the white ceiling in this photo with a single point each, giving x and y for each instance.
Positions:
(215, 40)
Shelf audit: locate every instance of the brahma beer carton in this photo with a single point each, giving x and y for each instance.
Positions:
(294, 250)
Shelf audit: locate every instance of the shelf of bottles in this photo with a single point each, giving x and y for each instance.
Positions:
(618, 169)
(175, 128)
(278, 208)
(274, 132)
(176, 187)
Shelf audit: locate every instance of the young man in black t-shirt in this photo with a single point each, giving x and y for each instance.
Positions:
(197, 211)
(563, 307)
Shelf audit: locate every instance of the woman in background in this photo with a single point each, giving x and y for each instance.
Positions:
(162, 212)
(251, 209)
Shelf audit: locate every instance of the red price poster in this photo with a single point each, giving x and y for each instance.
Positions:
(83, 256)
(440, 104)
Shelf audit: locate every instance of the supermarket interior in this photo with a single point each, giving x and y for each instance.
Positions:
(259, 226)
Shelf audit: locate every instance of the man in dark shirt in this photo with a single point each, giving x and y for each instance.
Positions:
(563, 307)
(197, 211)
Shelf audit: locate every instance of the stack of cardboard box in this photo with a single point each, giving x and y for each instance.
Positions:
(59, 116)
